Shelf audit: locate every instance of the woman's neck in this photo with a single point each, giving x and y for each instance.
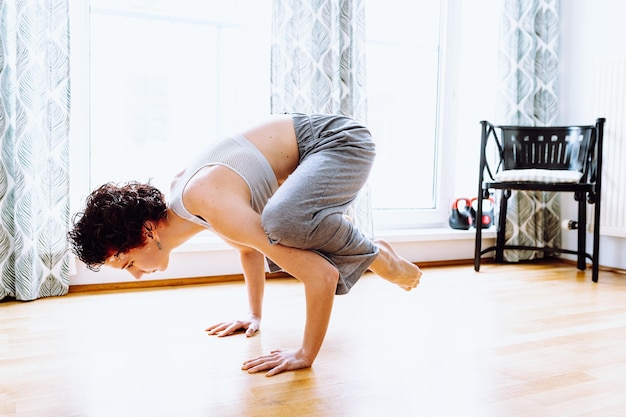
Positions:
(175, 230)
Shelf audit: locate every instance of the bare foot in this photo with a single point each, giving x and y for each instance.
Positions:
(394, 268)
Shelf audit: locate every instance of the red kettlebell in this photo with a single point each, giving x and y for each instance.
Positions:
(489, 205)
(460, 215)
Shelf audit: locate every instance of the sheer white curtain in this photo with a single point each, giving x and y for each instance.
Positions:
(34, 153)
(318, 65)
(529, 65)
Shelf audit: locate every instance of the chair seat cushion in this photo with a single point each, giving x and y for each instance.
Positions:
(538, 175)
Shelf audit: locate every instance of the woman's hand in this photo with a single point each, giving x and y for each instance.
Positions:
(276, 362)
(251, 325)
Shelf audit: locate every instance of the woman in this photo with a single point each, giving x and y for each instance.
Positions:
(279, 190)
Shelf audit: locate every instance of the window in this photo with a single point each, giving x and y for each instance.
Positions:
(166, 78)
(159, 79)
(403, 72)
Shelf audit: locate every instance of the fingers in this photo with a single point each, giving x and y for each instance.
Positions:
(276, 362)
(216, 328)
(224, 329)
(276, 370)
(254, 325)
(208, 329)
(252, 329)
(272, 363)
(213, 328)
(231, 329)
(228, 329)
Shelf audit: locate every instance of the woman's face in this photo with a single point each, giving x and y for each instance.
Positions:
(142, 260)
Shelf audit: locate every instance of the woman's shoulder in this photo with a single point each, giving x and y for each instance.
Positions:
(210, 186)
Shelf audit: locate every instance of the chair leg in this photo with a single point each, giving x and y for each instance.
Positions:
(478, 238)
(501, 231)
(582, 233)
(595, 255)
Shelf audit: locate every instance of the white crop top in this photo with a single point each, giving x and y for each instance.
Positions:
(238, 154)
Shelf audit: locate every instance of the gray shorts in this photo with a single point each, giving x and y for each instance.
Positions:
(307, 211)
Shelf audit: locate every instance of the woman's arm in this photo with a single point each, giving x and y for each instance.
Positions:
(253, 265)
(316, 273)
(220, 198)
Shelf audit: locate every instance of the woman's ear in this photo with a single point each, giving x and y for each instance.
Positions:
(150, 228)
(152, 233)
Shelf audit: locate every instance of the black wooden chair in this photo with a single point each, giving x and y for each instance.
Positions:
(559, 159)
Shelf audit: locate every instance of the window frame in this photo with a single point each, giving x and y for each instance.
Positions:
(388, 220)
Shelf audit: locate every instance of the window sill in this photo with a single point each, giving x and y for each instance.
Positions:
(432, 234)
(209, 242)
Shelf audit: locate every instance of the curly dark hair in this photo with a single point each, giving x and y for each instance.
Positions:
(114, 221)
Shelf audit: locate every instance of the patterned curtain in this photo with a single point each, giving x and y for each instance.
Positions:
(529, 64)
(318, 65)
(34, 153)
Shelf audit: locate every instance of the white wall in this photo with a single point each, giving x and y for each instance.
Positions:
(592, 31)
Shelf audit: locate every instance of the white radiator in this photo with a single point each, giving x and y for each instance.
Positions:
(610, 102)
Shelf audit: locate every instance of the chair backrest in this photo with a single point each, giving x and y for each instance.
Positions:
(557, 148)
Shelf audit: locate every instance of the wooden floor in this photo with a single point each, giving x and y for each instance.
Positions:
(512, 340)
